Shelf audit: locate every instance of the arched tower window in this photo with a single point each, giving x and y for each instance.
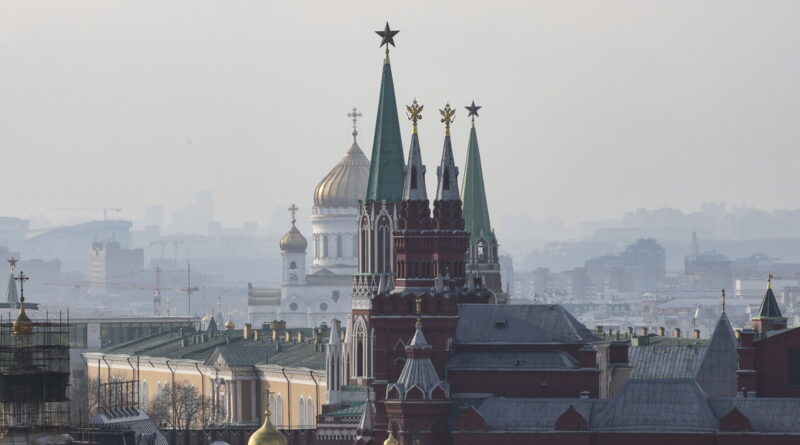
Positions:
(413, 177)
(324, 246)
(383, 252)
(482, 250)
(338, 246)
(360, 358)
(446, 179)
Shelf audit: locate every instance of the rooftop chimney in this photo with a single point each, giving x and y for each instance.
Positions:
(696, 334)
(676, 332)
(248, 328)
(661, 331)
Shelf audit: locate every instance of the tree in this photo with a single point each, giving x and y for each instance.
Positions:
(183, 407)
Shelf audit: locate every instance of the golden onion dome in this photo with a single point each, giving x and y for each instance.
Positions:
(22, 325)
(293, 241)
(390, 440)
(346, 183)
(229, 324)
(267, 434)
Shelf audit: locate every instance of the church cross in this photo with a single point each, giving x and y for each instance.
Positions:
(294, 210)
(22, 278)
(354, 115)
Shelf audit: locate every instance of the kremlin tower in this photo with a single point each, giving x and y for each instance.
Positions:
(410, 255)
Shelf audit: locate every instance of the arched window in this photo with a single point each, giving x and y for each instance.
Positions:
(446, 179)
(363, 262)
(301, 409)
(273, 408)
(310, 420)
(385, 254)
(324, 246)
(279, 404)
(144, 396)
(360, 358)
(413, 177)
(339, 246)
(482, 250)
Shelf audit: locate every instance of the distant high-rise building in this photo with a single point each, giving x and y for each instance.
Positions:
(154, 216)
(110, 263)
(646, 263)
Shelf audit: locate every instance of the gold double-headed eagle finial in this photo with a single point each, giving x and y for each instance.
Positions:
(414, 114)
(448, 116)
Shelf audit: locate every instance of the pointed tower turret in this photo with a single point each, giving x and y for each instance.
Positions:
(695, 243)
(12, 298)
(482, 258)
(420, 397)
(386, 165)
(717, 371)
(769, 316)
(447, 173)
(334, 365)
(414, 186)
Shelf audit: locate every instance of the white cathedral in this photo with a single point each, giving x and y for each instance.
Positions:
(307, 299)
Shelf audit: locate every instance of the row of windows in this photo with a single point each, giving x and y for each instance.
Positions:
(430, 269)
(322, 246)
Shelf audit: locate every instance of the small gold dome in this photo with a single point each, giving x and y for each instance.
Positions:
(267, 434)
(22, 325)
(390, 440)
(293, 241)
(346, 184)
(229, 324)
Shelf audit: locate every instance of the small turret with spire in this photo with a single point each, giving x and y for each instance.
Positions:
(769, 316)
(12, 298)
(482, 257)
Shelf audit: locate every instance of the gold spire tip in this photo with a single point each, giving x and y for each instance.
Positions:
(414, 113)
(448, 116)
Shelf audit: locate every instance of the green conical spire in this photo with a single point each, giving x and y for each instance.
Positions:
(473, 194)
(387, 168)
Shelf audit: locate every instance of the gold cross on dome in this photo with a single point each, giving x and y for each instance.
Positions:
(22, 278)
(354, 115)
(294, 210)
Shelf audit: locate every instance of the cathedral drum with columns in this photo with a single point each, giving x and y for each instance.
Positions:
(309, 298)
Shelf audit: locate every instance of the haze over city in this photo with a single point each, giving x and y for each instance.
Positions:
(590, 109)
(427, 223)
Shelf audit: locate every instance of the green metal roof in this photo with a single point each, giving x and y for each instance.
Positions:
(473, 194)
(386, 171)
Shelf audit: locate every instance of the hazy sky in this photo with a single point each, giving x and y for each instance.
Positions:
(590, 108)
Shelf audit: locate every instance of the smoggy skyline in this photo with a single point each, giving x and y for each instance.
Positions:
(590, 109)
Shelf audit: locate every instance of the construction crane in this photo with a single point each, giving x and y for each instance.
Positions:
(156, 288)
(105, 210)
(165, 242)
(189, 289)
